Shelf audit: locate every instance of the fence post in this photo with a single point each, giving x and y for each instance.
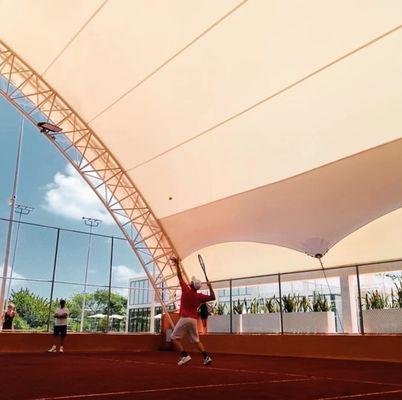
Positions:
(230, 305)
(110, 285)
(280, 301)
(360, 301)
(53, 277)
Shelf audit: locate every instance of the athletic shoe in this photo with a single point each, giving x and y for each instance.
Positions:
(52, 349)
(61, 350)
(207, 360)
(184, 360)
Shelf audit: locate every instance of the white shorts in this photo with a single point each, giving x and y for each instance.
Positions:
(186, 326)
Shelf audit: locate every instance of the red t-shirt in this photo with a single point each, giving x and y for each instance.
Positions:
(191, 300)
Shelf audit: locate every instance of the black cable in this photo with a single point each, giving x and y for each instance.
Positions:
(318, 256)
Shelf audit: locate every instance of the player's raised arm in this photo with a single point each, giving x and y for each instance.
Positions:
(176, 263)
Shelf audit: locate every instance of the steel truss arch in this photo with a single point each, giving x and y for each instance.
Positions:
(25, 89)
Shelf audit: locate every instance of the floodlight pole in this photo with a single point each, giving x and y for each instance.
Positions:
(10, 223)
(21, 210)
(92, 223)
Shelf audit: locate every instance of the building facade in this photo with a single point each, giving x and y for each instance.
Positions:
(140, 317)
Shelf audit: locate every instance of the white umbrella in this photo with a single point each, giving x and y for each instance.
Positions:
(97, 316)
(116, 316)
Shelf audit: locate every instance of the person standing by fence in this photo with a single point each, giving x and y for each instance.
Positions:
(8, 317)
(60, 327)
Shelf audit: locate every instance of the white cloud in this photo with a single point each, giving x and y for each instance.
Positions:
(69, 196)
(15, 274)
(122, 274)
(15, 283)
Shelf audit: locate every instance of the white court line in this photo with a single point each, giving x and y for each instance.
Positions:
(249, 371)
(217, 385)
(209, 367)
(359, 381)
(355, 396)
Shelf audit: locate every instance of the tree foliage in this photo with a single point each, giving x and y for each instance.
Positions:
(33, 310)
(97, 303)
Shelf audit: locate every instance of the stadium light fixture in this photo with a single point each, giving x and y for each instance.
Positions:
(47, 127)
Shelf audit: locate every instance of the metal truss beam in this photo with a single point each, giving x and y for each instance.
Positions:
(22, 87)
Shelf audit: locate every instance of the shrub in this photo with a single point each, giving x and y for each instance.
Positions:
(239, 306)
(290, 303)
(320, 303)
(304, 304)
(271, 305)
(32, 309)
(375, 300)
(254, 307)
(218, 309)
(397, 297)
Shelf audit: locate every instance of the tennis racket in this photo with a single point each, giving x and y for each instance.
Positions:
(203, 266)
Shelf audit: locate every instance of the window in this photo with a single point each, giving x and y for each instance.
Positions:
(136, 294)
(139, 319)
(140, 292)
(147, 297)
(131, 294)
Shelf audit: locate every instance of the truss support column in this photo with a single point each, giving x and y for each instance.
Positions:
(31, 95)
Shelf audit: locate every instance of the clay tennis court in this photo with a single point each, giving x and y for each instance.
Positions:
(152, 375)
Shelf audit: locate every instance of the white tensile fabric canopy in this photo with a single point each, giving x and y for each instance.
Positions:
(266, 121)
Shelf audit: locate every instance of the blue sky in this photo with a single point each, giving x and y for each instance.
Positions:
(60, 198)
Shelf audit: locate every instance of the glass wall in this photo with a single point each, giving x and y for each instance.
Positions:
(106, 290)
(311, 302)
(221, 317)
(83, 268)
(356, 299)
(256, 302)
(125, 267)
(29, 274)
(90, 271)
(381, 297)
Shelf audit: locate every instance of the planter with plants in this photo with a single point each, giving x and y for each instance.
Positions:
(301, 315)
(383, 314)
(219, 321)
(262, 316)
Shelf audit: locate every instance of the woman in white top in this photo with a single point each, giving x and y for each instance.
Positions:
(60, 327)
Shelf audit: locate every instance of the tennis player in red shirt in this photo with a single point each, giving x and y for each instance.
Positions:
(187, 324)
